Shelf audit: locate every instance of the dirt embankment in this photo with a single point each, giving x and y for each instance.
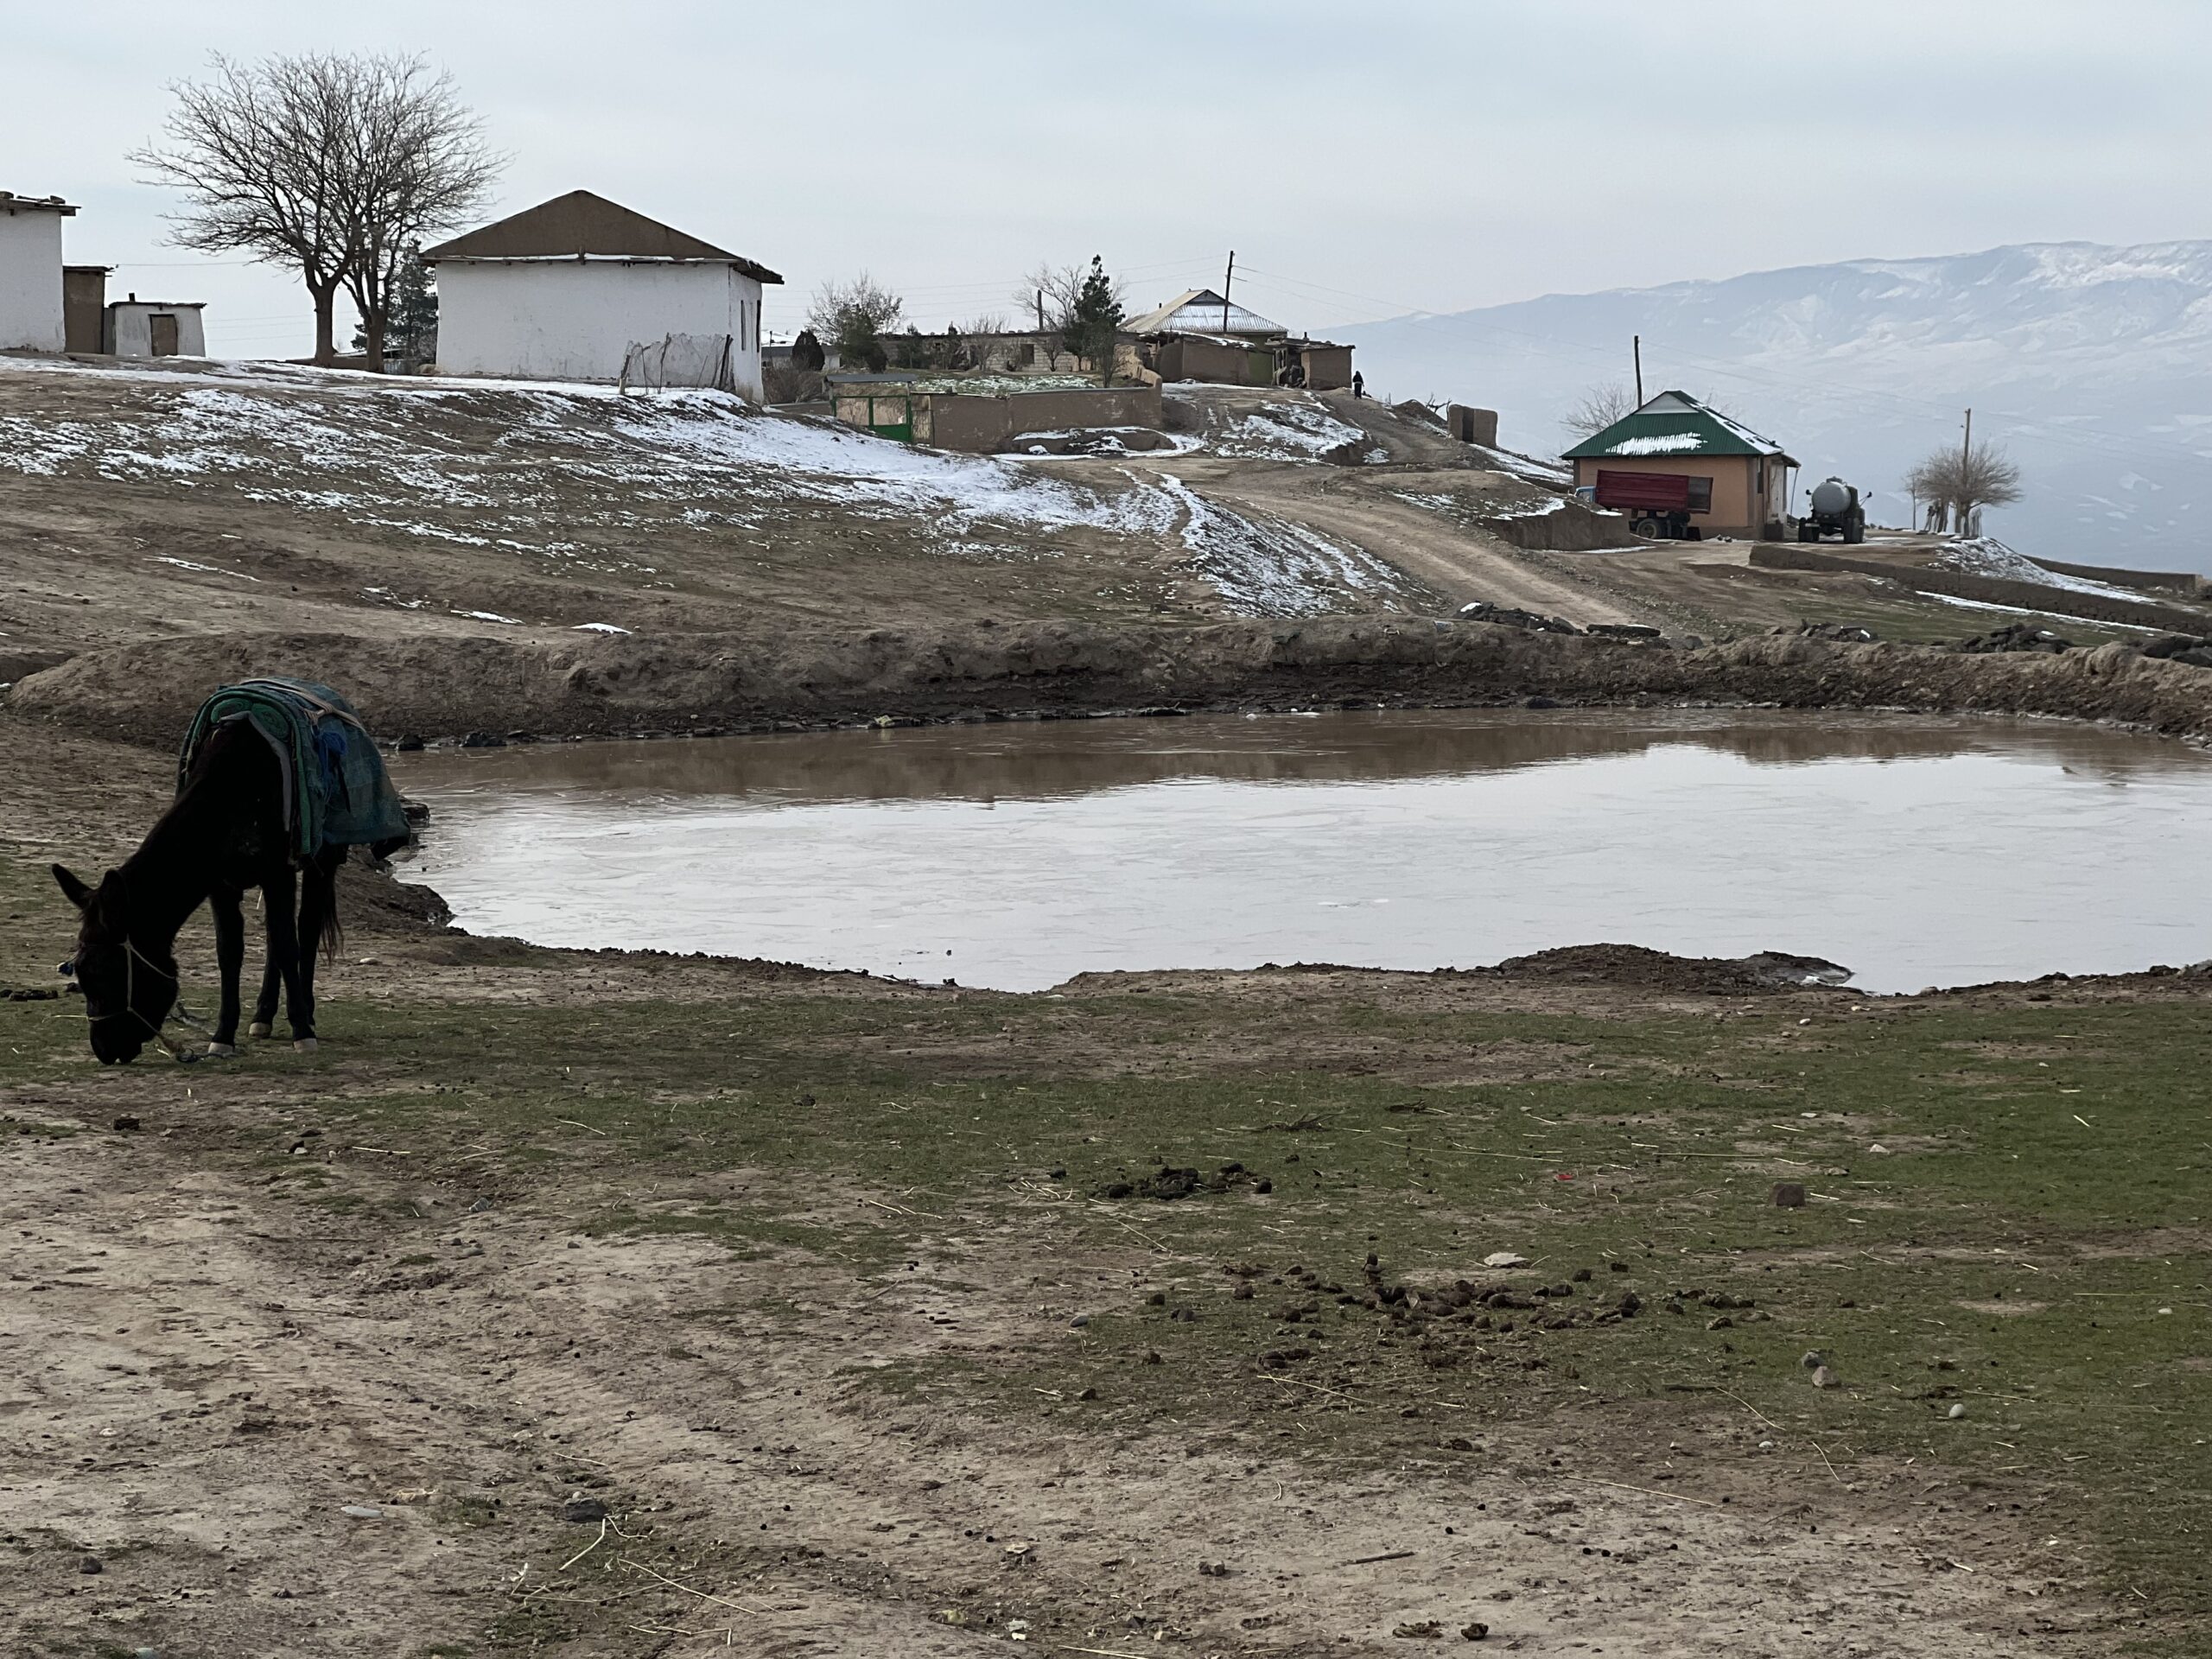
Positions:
(446, 686)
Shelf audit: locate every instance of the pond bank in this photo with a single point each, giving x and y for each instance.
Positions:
(436, 687)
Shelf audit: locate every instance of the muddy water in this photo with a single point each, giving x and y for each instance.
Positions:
(1916, 852)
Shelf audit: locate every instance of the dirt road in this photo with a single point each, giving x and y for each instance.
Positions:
(322, 1429)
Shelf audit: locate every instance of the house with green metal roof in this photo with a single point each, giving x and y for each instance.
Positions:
(1717, 476)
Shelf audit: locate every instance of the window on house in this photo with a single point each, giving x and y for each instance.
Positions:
(1700, 495)
(1761, 477)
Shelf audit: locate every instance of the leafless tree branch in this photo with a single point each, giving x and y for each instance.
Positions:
(325, 163)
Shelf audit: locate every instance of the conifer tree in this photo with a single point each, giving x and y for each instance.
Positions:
(1093, 323)
(413, 322)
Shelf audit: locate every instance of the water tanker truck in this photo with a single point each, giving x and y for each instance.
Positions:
(1833, 509)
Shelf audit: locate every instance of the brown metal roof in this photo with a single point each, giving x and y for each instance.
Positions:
(580, 226)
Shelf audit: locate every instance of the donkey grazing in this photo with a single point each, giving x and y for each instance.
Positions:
(249, 812)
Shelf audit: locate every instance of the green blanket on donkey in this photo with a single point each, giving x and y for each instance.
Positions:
(336, 790)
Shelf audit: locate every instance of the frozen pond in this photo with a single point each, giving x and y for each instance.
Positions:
(1914, 851)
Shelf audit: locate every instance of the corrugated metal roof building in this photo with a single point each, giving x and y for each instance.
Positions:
(1202, 311)
(1738, 480)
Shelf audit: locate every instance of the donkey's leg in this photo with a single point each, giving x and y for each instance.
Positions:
(272, 969)
(230, 958)
(272, 980)
(280, 902)
(318, 908)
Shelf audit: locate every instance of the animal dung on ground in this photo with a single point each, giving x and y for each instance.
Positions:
(1171, 1182)
(1825, 1378)
(1788, 1195)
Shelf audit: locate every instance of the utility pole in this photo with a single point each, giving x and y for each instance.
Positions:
(1041, 310)
(1225, 282)
(1639, 371)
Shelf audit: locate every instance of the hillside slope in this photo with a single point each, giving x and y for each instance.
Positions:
(2091, 365)
(215, 497)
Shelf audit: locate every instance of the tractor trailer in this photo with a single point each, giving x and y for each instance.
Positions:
(1657, 505)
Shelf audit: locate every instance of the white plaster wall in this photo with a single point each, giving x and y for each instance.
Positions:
(133, 329)
(564, 320)
(30, 281)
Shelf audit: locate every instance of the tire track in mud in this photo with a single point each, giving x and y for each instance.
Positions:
(238, 1367)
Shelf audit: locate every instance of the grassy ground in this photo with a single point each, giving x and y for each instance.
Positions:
(2006, 1214)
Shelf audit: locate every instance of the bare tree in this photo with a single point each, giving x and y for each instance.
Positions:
(1049, 300)
(1957, 484)
(1600, 406)
(330, 165)
(418, 163)
(256, 150)
(851, 317)
(1047, 296)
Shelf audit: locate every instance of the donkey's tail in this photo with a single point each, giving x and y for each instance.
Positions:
(333, 931)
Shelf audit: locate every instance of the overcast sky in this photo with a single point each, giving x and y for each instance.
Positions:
(1363, 159)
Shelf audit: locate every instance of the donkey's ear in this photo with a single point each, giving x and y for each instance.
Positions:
(79, 893)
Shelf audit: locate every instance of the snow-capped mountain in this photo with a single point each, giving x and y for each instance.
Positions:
(2091, 366)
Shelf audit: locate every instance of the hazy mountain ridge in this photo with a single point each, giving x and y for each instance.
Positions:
(2091, 365)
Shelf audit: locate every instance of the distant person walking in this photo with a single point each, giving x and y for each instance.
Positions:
(1358, 384)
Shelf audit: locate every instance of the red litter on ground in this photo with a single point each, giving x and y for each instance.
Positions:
(1564, 1175)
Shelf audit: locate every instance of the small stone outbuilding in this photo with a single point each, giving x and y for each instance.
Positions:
(136, 328)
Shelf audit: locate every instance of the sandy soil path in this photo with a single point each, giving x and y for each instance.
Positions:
(202, 1378)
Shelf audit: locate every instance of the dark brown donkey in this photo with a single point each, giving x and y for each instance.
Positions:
(225, 833)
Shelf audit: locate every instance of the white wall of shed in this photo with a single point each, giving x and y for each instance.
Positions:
(564, 320)
(129, 330)
(30, 281)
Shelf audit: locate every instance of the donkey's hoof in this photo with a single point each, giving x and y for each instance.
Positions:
(222, 1051)
(303, 1044)
(259, 1028)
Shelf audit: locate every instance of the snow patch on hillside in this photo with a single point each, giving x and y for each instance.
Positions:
(1269, 567)
(382, 457)
(1286, 431)
(1985, 556)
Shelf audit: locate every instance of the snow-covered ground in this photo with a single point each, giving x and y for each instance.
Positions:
(380, 453)
(1269, 567)
(1285, 428)
(1985, 556)
(564, 471)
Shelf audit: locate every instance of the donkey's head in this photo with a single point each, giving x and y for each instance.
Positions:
(129, 989)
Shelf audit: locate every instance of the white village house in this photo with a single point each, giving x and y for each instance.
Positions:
(564, 291)
(30, 273)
